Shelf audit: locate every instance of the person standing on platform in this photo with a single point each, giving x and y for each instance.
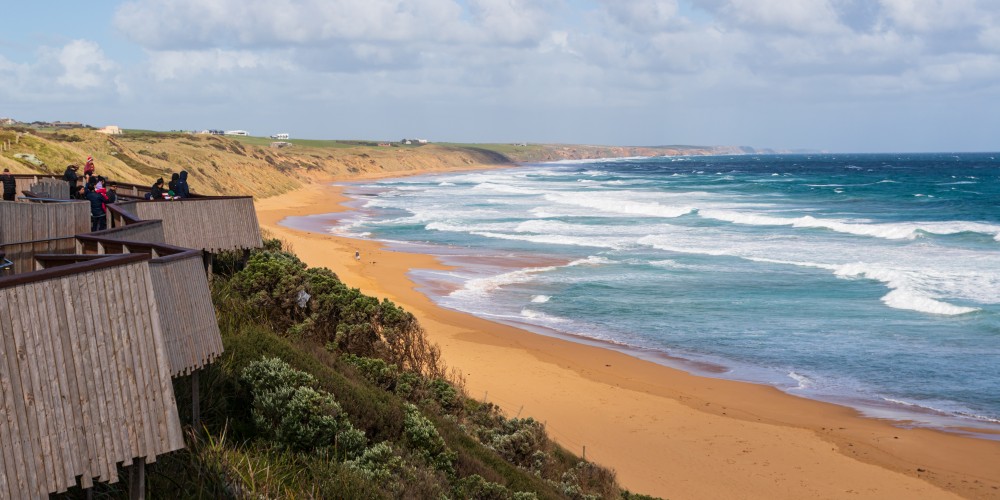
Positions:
(183, 191)
(88, 168)
(98, 218)
(9, 185)
(112, 192)
(70, 177)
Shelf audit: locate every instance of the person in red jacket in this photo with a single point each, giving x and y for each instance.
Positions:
(89, 167)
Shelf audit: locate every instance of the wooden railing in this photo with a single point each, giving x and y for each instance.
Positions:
(27, 182)
(213, 224)
(85, 372)
(92, 328)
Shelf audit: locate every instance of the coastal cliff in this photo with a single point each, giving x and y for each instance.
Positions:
(255, 166)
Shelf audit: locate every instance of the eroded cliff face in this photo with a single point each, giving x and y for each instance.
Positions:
(249, 166)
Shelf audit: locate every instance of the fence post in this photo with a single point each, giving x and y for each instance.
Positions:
(137, 479)
(195, 401)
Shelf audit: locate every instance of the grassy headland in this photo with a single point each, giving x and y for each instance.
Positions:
(236, 165)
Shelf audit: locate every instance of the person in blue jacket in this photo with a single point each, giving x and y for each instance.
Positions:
(98, 218)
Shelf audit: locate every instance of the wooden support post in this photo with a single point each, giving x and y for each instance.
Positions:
(137, 479)
(195, 401)
(209, 259)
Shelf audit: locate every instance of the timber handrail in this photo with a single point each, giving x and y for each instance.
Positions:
(81, 267)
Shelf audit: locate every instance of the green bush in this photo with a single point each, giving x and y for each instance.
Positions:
(272, 283)
(295, 415)
(518, 440)
(315, 304)
(424, 439)
(475, 486)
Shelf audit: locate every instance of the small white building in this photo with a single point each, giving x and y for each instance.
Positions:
(110, 130)
(280, 137)
(237, 132)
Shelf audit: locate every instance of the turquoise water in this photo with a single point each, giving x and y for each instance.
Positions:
(872, 280)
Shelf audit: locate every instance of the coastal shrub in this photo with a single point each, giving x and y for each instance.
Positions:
(295, 415)
(445, 395)
(378, 463)
(588, 481)
(517, 440)
(476, 486)
(272, 283)
(314, 303)
(377, 371)
(424, 439)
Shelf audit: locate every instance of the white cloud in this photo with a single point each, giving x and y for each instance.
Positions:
(643, 15)
(801, 16)
(85, 66)
(174, 65)
(932, 15)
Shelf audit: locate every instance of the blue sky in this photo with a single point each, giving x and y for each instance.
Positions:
(837, 75)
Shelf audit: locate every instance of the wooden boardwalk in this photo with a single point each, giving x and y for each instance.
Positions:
(27, 229)
(84, 376)
(213, 224)
(93, 326)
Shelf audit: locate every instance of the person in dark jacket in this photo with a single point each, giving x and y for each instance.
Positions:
(71, 177)
(9, 185)
(172, 185)
(98, 218)
(156, 191)
(112, 192)
(183, 190)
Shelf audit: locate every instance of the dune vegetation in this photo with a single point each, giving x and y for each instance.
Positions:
(324, 392)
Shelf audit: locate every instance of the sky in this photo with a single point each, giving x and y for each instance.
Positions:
(832, 75)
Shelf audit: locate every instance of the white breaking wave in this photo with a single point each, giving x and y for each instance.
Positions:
(890, 231)
(608, 204)
(540, 317)
(540, 299)
(481, 287)
(803, 381)
(905, 290)
(505, 188)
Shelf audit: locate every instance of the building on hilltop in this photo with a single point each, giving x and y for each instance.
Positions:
(280, 136)
(58, 124)
(110, 130)
(237, 132)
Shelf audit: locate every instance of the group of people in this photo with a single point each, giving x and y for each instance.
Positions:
(95, 189)
(177, 188)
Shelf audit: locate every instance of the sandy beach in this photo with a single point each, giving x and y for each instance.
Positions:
(665, 432)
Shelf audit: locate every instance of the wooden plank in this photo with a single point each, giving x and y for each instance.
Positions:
(109, 378)
(122, 351)
(56, 397)
(85, 387)
(34, 406)
(171, 421)
(13, 464)
(139, 310)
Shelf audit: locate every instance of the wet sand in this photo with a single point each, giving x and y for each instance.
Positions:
(664, 431)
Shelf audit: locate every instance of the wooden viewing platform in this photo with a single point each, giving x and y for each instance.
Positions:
(93, 326)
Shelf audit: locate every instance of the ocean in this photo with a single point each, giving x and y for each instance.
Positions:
(867, 280)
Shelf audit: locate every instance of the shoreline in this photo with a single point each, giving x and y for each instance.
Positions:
(664, 431)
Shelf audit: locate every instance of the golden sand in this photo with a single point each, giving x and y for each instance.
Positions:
(665, 432)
